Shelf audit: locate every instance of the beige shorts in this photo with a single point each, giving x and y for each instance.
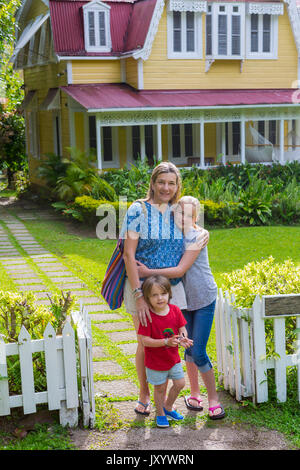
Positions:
(178, 297)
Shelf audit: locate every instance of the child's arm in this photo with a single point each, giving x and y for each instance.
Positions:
(185, 263)
(159, 343)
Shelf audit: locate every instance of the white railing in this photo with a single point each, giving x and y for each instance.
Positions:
(61, 372)
(241, 345)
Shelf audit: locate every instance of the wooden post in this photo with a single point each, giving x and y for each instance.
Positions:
(281, 141)
(159, 143)
(243, 142)
(202, 148)
(142, 140)
(259, 343)
(99, 143)
(26, 367)
(4, 391)
(51, 368)
(280, 362)
(223, 143)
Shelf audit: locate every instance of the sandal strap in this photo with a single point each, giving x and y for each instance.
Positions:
(194, 398)
(213, 408)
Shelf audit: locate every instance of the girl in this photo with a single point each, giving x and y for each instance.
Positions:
(152, 237)
(160, 339)
(201, 293)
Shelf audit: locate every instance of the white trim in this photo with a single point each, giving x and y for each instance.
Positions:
(69, 72)
(97, 7)
(182, 158)
(145, 52)
(140, 70)
(184, 54)
(198, 6)
(115, 162)
(28, 32)
(273, 54)
(78, 57)
(294, 21)
(158, 140)
(265, 8)
(99, 142)
(228, 12)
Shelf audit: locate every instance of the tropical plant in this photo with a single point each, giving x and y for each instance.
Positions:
(52, 168)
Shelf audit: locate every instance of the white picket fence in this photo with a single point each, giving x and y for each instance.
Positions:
(241, 345)
(61, 372)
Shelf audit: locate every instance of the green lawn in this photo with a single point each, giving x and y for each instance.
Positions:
(229, 249)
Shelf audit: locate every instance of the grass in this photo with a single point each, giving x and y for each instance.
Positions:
(229, 249)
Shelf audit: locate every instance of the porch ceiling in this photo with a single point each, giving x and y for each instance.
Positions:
(118, 97)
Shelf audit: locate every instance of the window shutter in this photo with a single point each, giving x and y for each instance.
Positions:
(190, 31)
(235, 35)
(91, 20)
(177, 31)
(102, 28)
(208, 35)
(266, 33)
(222, 35)
(254, 33)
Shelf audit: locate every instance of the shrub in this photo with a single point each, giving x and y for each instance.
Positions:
(265, 278)
(87, 207)
(17, 310)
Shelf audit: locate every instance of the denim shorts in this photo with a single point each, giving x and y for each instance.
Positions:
(159, 377)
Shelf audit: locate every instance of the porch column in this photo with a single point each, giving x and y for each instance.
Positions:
(202, 160)
(99, 146)
(243, 142)
(223, 148)
(281, 141)
(142, 140)
(159, 144)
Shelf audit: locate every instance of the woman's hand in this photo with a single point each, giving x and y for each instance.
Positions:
(173, 341)
(185, 342)
(143, 311)
(143, 271)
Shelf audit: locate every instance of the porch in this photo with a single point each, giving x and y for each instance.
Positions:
(202, 135)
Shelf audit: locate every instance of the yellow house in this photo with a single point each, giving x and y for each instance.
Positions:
(190, 81)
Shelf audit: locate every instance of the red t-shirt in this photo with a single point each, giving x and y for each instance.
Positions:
(162, 326)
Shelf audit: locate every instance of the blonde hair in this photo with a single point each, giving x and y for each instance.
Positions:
(165, 167)
(194, 202)
(163, 283)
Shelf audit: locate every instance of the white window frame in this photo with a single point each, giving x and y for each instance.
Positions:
(115, 162)
(182, 159)
(184, 54)
(96, 7)
(267, 129)
(273, 54)
(129, 149)
(229, 12)
(230, 155)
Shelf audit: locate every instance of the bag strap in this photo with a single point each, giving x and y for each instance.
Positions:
(142, 202)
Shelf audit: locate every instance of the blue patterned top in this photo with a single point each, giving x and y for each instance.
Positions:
(161, 243)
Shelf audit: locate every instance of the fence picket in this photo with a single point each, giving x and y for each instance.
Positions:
(26, 367)
(4, 390)
(218, 337)
(259, 341)
(70, 366)
(280, 363)
(236, 350)
(223, 343)
(51, 367)
(229, 348)
(245, 356)
(298, 356)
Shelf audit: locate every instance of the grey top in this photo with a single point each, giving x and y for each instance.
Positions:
(199, 284)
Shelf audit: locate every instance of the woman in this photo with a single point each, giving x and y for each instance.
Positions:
(201, 293)
(152, 238)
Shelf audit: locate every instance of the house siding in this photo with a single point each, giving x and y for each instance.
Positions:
(94, 71)
(161, 72)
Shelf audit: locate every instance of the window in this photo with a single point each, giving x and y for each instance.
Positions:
(224, 31)
(181, 142)
(136, 142)
(233, 136)
(107, 144)
(262, 36)
(97, 27)
(149, 143)
(268, 130)
(184, 35)
(57, 133)
(92, 134)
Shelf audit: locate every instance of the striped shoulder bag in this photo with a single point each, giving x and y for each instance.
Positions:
(112, 289)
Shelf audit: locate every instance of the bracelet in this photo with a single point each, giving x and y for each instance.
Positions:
(138, 296)
(136, 290)
(166, 341)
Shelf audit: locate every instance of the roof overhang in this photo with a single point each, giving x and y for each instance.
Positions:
(29, 101)
(28, 33)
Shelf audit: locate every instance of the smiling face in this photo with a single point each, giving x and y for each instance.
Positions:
(158, 298)
(185, 216)
(164, 188)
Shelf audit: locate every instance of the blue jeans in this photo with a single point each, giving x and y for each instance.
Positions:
(199, 323)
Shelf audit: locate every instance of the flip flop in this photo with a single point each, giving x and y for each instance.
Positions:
(220, 415)
(145, 405)
(191, 407)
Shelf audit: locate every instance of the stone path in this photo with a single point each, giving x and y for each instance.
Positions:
(34, 268)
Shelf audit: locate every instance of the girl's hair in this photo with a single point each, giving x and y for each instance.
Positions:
(165, 167)
(194, 202)
(149, 282)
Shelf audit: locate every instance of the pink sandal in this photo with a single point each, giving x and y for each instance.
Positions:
(218, 416)
(191, 407)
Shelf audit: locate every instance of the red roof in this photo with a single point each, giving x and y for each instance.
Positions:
(119, 96)
(129, 23)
